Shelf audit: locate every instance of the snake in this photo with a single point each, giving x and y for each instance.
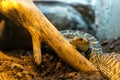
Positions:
(82, 40)
(107, 63)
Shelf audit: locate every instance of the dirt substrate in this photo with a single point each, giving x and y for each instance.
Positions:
(20, 66)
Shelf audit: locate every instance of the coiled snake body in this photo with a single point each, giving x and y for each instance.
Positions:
(109, 64)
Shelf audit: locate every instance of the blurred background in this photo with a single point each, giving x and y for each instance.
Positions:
(97, 17)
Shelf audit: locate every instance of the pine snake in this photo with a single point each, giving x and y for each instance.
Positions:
(109, 64)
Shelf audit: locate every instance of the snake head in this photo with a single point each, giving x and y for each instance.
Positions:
(80, 43)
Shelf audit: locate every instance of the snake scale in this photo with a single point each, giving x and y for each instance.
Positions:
(109, 64)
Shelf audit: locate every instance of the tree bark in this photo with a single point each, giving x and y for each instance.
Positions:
(25, 13)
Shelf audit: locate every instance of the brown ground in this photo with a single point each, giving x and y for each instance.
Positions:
(20, 66)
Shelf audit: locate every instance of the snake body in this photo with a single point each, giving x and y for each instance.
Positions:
(109, 64)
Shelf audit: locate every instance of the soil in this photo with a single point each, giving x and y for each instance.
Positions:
(19, 65)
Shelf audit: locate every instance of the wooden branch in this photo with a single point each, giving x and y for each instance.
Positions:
(25, 13)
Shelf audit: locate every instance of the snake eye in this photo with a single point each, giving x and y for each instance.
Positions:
(80, 39)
